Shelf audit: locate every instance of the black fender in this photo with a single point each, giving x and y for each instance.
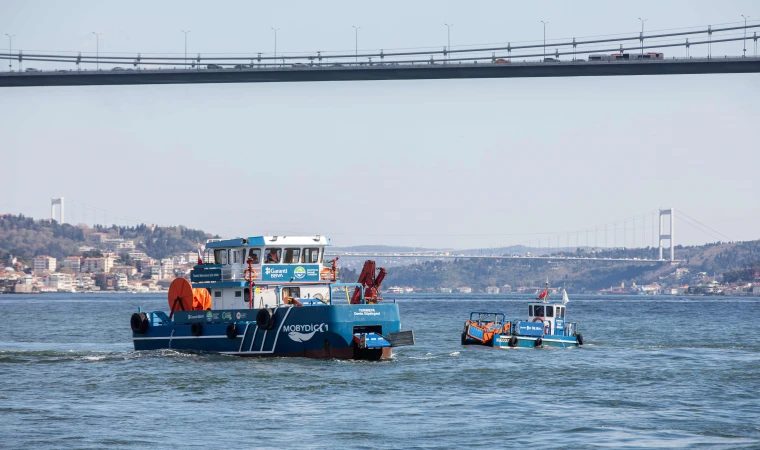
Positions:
(265, 319)
(232, 330)
(196, 329)
(139, 322)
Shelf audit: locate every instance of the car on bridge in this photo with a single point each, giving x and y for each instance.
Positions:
(32, 69)
(214, 66)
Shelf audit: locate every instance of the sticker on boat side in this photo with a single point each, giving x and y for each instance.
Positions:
(366, 312)
(302, 333)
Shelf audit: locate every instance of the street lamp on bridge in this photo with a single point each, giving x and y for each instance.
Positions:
(97, 50)
(744, 41)
(448, 35)
(544, 55)
(356, 32)
(641, 38)
(10, 49)
(185, 33)
(274, 61)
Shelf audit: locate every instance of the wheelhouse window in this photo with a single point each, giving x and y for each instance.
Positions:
(549, 311)
(561, 312)
(538, 311)
(292, 255)
(237, 256)
(310, 255)
(530, 310)
(255, 255)
(220, 256)
(272, 255)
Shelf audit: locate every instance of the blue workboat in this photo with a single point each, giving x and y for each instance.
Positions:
(273, 296)
(545, 327)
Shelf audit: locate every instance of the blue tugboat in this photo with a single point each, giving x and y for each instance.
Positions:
(273, 296)
(545, 327)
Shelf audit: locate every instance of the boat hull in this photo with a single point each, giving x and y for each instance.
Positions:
(503, 341)
(506, 341)
(314, 332)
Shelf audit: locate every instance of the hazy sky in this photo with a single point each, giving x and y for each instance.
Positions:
(449, 163)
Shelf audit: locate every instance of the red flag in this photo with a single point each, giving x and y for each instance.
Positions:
(543, 294)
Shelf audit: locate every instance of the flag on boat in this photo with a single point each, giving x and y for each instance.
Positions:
(564, 297)
(543, 294)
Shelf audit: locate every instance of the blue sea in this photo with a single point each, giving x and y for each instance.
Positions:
(655, 372)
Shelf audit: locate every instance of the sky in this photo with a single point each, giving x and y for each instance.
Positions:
(432, 163)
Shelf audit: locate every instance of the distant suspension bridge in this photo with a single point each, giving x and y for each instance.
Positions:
(657, 228)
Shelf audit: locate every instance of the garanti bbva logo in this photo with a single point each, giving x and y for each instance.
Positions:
(302, 333)
(299, 272)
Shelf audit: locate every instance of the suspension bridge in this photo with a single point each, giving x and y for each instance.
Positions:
(622, 54)
(653, 233)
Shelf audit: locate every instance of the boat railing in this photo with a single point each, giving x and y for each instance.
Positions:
(232, 273)
(486, 317)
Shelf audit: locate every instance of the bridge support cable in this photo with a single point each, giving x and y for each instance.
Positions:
(707, 227)
(309, 58)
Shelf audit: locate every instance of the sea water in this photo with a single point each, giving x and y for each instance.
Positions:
(654, 372)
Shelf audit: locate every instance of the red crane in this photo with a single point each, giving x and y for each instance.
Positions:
(371, 282)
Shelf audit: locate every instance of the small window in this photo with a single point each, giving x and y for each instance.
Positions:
(217, 294)
(530, 310)
(247, 295)
(220, 256)
(562, 312)
(310, 255)
(255, 255)
(292, 255)
(272, 255)
(538, 311)
(549, 311)
(238, 294)
(291, 293)
(236, 257)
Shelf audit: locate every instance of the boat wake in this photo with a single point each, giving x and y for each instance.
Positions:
(429, 355)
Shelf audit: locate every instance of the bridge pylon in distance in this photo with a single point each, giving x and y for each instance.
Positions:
(670, 236)
(56, 201)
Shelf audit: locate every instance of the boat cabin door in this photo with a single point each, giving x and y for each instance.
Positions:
(549, 320)
(542, 313)
(559, 321)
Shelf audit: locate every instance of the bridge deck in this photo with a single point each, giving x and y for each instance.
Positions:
(383, 72)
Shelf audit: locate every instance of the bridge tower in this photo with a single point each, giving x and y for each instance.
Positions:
(670, 236)
(56, 201)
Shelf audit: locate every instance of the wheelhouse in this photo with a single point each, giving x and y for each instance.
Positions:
(551, 315)
(280, 269)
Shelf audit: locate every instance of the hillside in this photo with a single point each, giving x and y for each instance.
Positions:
(25, 238)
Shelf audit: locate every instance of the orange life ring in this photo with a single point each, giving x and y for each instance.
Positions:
(538, 319)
